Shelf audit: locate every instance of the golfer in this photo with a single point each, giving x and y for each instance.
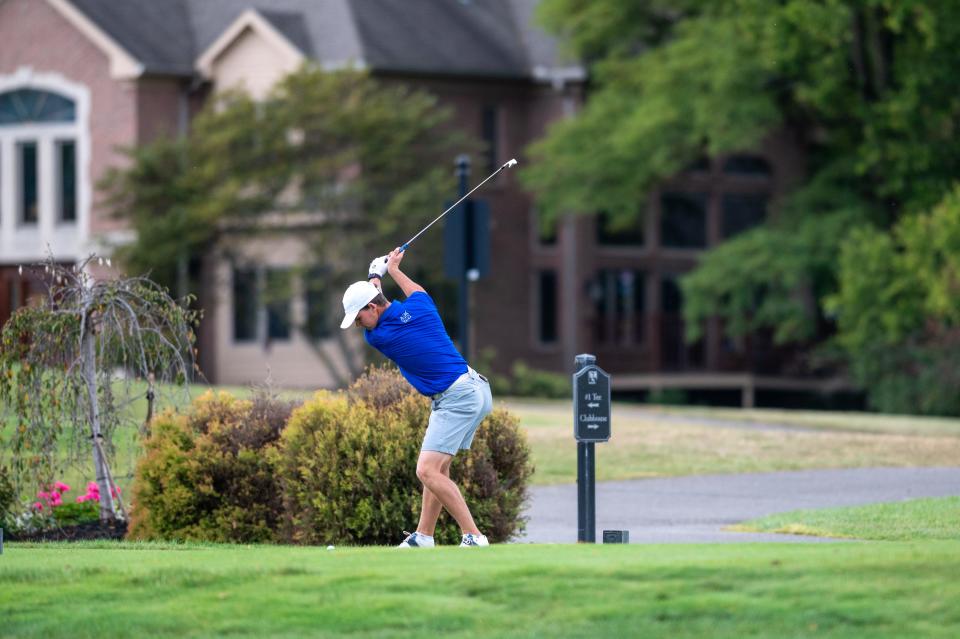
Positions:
(412, 335)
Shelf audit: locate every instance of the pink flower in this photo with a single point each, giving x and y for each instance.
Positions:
(43, 495)
(62, 487)
(37, 505)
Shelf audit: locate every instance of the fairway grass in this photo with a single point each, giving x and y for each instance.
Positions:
(935, 518)
(871, 589)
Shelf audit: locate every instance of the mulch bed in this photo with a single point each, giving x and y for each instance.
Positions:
(79, 532)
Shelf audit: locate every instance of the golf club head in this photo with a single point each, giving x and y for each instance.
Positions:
(510, 163)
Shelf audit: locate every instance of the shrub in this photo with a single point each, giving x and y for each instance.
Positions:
(668, 397)
(84, 512)
(531, 382)
(8, 499)
(206, 475)
(347, 463)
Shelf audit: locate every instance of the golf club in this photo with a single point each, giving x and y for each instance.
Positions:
(506, 165)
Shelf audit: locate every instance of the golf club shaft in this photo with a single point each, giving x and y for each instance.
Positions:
(410, 241)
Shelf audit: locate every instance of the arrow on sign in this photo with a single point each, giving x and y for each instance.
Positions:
(593, 405)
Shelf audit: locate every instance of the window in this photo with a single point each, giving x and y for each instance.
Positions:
(29, 105)
(619, 232)
(619, 303)
(547, 294)
(67, 168)
(546, 230)
(683, 220)
(245, 305)
(676, 353)
(278, 303)
(489, 133)
(39, 126)
(318, 301)
(742, 211)
(27, 152)
(752, 165)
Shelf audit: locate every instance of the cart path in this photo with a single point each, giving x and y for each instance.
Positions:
(696, 509)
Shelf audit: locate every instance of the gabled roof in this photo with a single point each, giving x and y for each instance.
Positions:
(494, 38)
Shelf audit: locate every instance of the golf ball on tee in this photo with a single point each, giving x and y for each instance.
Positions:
(329, 547)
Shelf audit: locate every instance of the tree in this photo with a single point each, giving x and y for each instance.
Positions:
(369, 161)
(59, 359)
(865, 86)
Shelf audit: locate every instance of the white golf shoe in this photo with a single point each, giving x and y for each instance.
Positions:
(470, 541)
(416, 540)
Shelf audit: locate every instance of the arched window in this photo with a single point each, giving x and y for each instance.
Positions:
(37, 124)
(27, 106)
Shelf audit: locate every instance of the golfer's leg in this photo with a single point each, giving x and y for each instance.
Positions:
(431, 506)
(430, 472)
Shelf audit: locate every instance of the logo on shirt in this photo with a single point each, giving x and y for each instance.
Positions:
(406, 317)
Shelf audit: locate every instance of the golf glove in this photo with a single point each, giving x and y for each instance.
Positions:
(378, 267)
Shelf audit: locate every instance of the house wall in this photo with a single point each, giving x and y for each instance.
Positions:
(38, 42)
(287, 363)
(251, 63)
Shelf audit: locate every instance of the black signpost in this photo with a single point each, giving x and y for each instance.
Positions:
(591, 424)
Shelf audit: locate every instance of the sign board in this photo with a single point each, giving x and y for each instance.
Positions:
(591, 404)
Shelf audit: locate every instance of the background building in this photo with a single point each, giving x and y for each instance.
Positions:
(79, 78)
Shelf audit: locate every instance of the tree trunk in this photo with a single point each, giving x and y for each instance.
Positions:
(108, 510)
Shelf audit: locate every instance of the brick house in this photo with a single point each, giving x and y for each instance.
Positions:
(79, 78)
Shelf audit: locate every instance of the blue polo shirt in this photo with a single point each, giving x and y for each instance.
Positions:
(411, 334)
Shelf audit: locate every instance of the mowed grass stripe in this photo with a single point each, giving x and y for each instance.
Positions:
(933, 518)
(751, 590)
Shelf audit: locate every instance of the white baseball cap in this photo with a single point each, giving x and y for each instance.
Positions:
(355, 298)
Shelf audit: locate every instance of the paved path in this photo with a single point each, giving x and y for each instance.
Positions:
(696, 509)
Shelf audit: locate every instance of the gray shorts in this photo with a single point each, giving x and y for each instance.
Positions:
(457, 412)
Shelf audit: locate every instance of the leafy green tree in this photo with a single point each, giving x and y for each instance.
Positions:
(898, 309)
(364, 162)
(865, 86)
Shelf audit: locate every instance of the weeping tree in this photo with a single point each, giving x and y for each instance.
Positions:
(72, 364)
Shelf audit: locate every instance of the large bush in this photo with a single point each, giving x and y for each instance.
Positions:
(206, 475)
(8, 499)
(347, 463)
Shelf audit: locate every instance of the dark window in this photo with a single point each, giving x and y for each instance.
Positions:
(671, 300)
(244, 304)
(278, 303)
(30, 105)
(700, 165)
(676, 353)
(28, 182)
(548, 307)
(67, 152)
(683, 220)
(619, 304)
(319, 298)
(742, 211)
(489, 132)
(618, 232)
(752, 165)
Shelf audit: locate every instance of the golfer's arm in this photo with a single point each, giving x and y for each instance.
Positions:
(408, 286)
(376, 282)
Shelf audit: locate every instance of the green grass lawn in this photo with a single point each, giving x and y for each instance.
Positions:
(934, 518)
(871, 589)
